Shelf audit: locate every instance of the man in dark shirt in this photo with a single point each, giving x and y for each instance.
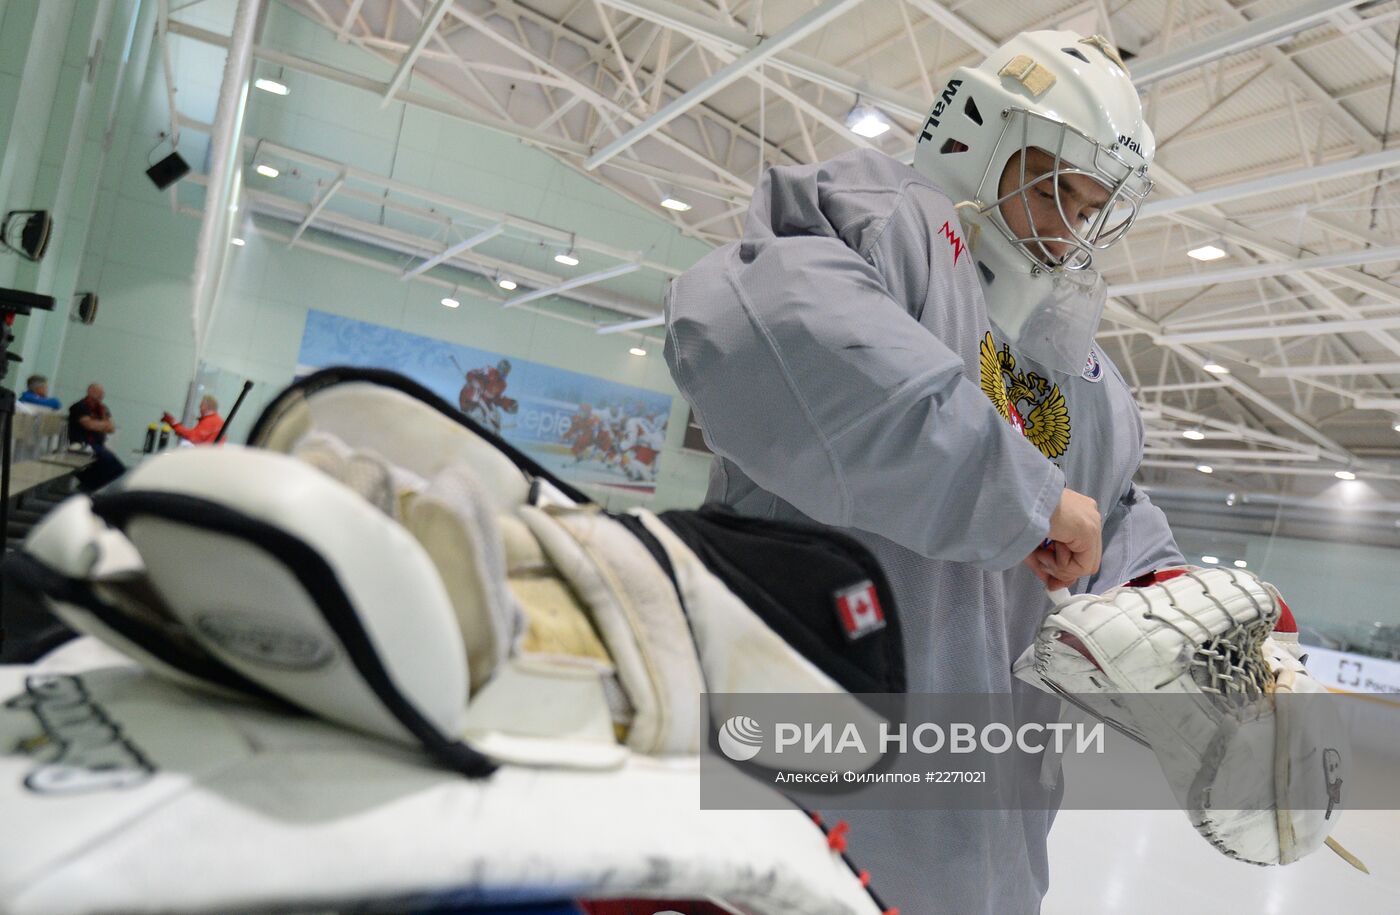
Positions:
(89, 423)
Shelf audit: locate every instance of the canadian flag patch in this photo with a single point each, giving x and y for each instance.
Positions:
(859, 609)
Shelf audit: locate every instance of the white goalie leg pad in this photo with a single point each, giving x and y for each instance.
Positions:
(635, 609)
(91, 577)
(263, 612)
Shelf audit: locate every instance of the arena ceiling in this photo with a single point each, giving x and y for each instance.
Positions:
(1274, 122)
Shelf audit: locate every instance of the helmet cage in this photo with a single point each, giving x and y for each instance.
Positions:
(1126, 185)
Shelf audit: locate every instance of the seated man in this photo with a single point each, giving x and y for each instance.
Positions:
(89, 423)
(208, 427)
(36, 393)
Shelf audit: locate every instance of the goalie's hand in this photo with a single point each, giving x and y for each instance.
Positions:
(1076, 542)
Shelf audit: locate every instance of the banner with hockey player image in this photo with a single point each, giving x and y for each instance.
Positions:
(586, 429)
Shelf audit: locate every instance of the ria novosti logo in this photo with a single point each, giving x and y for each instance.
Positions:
(740, 738)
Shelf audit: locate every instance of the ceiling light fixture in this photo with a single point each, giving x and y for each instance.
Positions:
(267, 171)
(1194, 435)
(450, 302)
(1215, 368)
(637, 351)
(1205, 468)
(671, 203)
(271, 85)
(1210, 560)
(505, 283)
(1241, 564)
(1206, 253)
(1344, 475)
(867, 121)
(238, 242)
(567, 260)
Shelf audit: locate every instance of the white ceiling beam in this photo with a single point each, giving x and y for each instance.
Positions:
(965, 31)
(1363, 368)
(700, 27)
(564, 286)
(638, 324)
(429, 27)
(540, 138)
(1284, 469)
(790, 35)
(1274, 28)
(1319, 328)
(320, 205)
(600, 102)
(1256, 271)
(1232, 454)
(450, 251)
(343, 33)
(1305, 81)
(1271, 184)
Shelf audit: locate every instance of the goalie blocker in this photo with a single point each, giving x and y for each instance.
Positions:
(382, 562)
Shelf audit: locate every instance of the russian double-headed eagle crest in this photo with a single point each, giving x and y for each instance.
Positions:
(1026, 400)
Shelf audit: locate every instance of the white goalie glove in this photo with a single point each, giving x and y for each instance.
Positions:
(1184, 663)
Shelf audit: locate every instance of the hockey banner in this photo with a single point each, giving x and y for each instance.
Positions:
(588, 430)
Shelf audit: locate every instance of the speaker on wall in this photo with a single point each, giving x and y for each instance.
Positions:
(85, 312)
(168, 170)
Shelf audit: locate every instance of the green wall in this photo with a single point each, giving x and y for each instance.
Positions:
(139, 253)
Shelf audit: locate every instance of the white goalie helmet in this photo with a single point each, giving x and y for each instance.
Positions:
(1071, 99)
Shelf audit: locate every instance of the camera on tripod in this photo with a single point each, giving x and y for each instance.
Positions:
(14, 302)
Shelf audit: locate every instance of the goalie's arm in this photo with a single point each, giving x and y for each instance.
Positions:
(805, 372)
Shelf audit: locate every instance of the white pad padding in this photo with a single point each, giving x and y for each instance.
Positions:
(635, 609)
(246, 809)
(246, 607)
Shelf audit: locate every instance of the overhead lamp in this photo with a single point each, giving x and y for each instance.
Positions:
(1205, 468)
(1344, 475)
(1215, 368)
(1194, 435)
(867, 121)
(1396, 427)
(237, 242)
(1206, 253)
(567, 259)
(505, 283)
(1241, 564)
(671, 203)
(267, 171)
(637, 351)
(271, 85)
(450, 302)
(1210, 560)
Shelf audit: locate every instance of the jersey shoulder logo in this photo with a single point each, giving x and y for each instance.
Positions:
(1032, 404)
(1093, 367)
(953, 239)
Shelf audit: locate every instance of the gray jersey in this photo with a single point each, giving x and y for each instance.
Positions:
(842, 364)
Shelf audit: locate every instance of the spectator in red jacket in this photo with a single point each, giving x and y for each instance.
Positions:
(204, 431)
